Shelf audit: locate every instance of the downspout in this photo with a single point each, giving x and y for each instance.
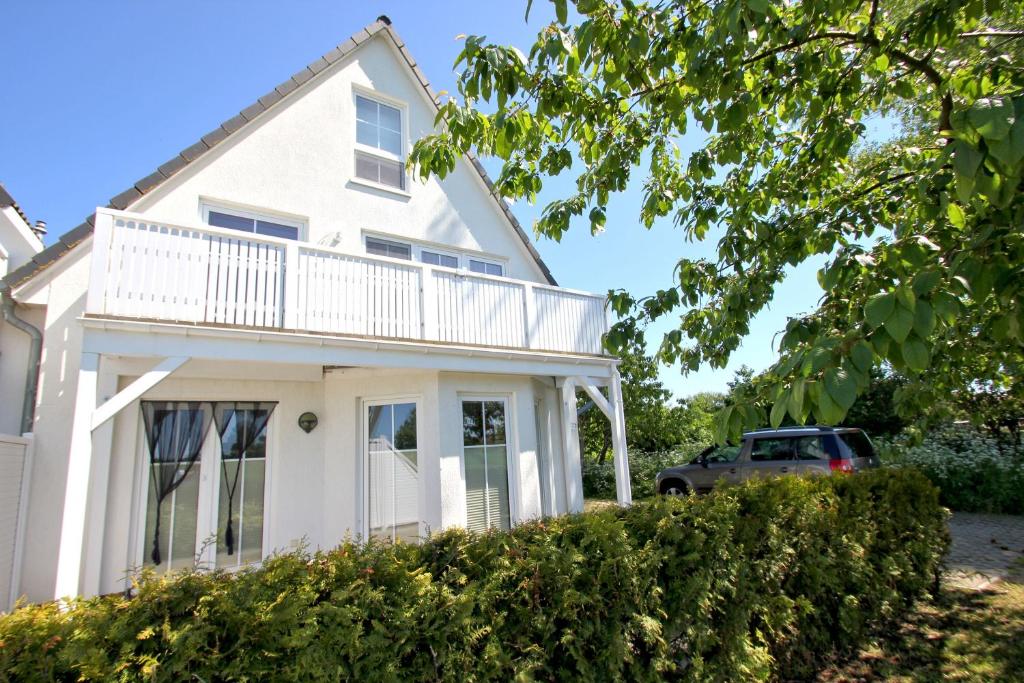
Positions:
(35, 352)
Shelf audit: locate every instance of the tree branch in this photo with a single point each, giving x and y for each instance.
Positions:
(993, 33)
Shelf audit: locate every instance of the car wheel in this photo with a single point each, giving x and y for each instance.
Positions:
(676, 489)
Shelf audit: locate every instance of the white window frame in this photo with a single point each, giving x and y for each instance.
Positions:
(205, 207)
(403, 112)
(511, 452)
(487, 261)
(209, 492)
(417, 248)
(363, 502)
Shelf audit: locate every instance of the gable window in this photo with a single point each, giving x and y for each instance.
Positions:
(436, 258)
(205, 484)
(485, 456)
(245, 221)
(379, 154)
(379, 247)
(486, 267)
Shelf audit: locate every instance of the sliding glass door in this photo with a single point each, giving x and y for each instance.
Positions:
(392, 467)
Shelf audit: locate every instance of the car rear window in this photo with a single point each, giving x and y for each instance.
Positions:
(858, 443)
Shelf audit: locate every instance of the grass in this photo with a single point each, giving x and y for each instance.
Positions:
(962, 635)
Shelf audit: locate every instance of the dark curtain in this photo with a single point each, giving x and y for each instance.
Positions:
(175, 431)
(239, 424)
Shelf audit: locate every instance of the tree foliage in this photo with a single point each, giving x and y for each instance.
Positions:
(921, 231)
(653, 421)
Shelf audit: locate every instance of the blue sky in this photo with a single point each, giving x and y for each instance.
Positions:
(98, 94)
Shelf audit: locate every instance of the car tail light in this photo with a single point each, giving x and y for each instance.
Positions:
(841, 466)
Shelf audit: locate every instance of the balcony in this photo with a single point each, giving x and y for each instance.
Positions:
(148, 270)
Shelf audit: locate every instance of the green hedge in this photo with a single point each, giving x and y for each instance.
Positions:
(752, 582)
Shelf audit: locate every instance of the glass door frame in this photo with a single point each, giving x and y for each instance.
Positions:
(511, 451)
(363, 469)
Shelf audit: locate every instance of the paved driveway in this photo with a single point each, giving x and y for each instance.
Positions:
(985, 547)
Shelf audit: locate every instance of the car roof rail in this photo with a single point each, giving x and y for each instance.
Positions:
(824, 428)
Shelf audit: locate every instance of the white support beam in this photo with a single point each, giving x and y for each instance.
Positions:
(595, 395)
(623, 490)
(136, 389)
(99, 481)
(571, 449)
(76, 495)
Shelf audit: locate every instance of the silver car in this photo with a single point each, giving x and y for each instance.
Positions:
(770, 453)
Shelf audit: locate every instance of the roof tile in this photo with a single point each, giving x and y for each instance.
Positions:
(149, 182)
(234, 123)
(77, 234)
(252, 111)
(126, 198)
(215, 137)
(347, 46)
(193, 152)
(284, 89)
(318, 66)
(301, 77)
(361, 36)
(333, 56)
(270, 99)
(171, 167)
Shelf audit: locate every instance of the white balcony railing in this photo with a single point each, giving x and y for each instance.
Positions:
(151, 270)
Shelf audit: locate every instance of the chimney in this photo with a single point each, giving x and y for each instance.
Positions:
(40, 229)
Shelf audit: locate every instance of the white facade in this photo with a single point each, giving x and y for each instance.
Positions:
(159, 305)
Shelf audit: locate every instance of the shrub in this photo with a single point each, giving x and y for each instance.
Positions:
(599, 478)
(973, 471)
(751, 582)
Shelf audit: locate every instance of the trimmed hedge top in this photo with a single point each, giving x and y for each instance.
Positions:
(751, 582)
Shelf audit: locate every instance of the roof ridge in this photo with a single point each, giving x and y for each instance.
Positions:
(207, 142)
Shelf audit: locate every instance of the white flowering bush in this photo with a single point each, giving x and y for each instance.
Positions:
(973, 471)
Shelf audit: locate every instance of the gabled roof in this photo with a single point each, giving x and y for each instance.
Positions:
(73, 237)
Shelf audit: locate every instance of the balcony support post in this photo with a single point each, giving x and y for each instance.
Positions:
(571, 449)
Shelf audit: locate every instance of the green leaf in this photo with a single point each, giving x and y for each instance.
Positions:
(829, 412)
(956, 215)
(991, 117)
(915, 354)
(779, 409)
(899, 324)
(795, 404)
(862, 356)
(879, 307)
(882, 63)
(926, 281)
(562, 11)
(924, 319)
(841, 387)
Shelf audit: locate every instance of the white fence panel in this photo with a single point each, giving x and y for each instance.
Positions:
(348, 294)
(480, 310)
(568, 321)
(182, 274)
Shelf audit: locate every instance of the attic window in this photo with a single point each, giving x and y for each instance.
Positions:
(247, 221)
(379, 155)
(379, 247)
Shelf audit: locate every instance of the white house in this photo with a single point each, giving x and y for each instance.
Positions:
(281, 337)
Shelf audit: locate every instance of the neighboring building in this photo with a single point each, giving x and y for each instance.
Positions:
(18, 245)
(285, 267)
